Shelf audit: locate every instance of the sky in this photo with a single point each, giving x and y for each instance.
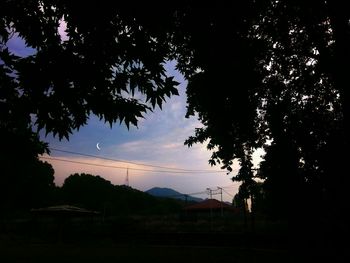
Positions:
(157, 141)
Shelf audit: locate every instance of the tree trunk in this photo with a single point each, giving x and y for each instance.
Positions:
(252, 213)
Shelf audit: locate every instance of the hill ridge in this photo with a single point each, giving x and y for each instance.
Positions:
(171, 193)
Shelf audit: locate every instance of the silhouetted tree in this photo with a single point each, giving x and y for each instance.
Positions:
(109, 56)
(97, 193)
(278, 85)
(87, 190)
(26, 182)
(260, 74)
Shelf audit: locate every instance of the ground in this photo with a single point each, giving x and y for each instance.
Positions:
(135, 253)
(141, 239)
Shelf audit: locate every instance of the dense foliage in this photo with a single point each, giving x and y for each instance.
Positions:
(268, 74)
(107, 63)
(273, 74)
(96, 193)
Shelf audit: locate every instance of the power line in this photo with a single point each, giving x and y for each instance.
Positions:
(227, 192)
(136, 169)
(198, 193)
(191, 194)
(120, 167)
(213, 191)
(229, 186)
(136, 163)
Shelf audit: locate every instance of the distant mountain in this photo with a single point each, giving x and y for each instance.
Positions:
(171, 193)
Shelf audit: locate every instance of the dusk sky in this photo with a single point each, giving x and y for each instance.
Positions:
(158, 140)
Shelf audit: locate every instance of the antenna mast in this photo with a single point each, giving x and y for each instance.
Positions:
(127, 177)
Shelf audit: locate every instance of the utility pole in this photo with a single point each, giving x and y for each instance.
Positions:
(210, 193)
(222, 208)
(211, 209)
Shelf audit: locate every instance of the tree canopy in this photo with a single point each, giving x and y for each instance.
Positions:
(109, 62)
(106, 56)
(274, 75)
(95, 192)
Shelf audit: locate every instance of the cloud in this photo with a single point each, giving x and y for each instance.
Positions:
(134, 146)
(176, 106)
(172, 146)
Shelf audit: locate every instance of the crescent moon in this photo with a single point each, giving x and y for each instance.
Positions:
(97, 146)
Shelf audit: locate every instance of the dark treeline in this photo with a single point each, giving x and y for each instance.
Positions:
(88, 192)
(98, 194)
